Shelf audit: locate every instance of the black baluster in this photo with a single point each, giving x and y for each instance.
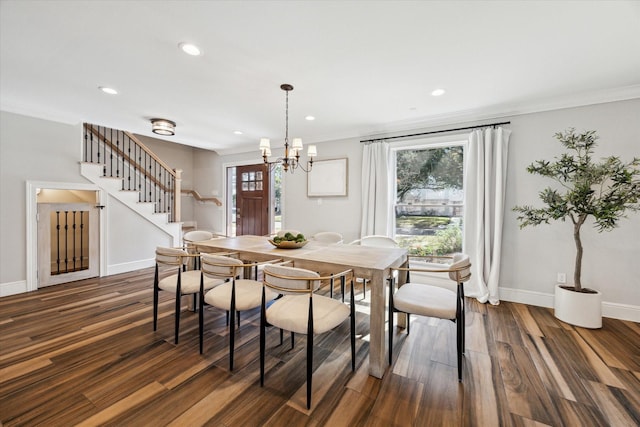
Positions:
(82, 239)
(91, 145)
(110, 151)
(74, 240)
(86, 137)
(66, 241)
(104, 172)
(58, 241)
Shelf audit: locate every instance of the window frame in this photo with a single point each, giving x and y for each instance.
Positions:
(424, 144)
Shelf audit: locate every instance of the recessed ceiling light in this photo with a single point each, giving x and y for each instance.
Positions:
(310, 118)
(437, 92)
(108, 90)
(190, 49)
(237, 132)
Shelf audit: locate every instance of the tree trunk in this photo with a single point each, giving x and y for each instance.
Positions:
(578, 267)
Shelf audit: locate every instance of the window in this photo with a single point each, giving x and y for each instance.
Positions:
(429, 198)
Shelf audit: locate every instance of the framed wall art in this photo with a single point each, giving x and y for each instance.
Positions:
(328, 178)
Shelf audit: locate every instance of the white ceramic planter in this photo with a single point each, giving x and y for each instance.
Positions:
(577, 308)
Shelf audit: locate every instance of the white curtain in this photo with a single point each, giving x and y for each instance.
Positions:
(377, 200)
(485, 180)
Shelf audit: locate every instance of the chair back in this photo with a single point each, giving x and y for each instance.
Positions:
(462, 268)
(197, 236)
(171, 256)
(290, 280)
(328, 237)
(220, 266)
(378, 241)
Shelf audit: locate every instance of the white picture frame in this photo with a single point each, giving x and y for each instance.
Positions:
(328, 178)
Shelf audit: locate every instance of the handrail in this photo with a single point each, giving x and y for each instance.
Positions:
(199, 198)
(122, 155)
(130, 160)
(151, 153)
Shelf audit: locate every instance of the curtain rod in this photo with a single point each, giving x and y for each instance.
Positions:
(436, 131)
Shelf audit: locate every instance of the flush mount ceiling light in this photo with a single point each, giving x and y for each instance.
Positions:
(291, 159)
(190, 49)
(163, 127)
(108, 90)
(437, 92)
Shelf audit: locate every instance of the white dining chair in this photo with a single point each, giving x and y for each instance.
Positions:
(179, 282)
(300, 310)
(423, 298)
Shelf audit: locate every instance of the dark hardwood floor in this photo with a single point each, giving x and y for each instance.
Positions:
(85, 353)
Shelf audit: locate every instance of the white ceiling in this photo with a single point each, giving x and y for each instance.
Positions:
(360, 67)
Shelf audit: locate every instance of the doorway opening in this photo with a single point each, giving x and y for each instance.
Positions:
(68, 235)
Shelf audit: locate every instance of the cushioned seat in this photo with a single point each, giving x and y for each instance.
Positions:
(291, 314)
(425, 300)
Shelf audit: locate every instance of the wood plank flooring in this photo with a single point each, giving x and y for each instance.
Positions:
(85, 353)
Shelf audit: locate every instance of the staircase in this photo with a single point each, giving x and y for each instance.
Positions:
(118, 163)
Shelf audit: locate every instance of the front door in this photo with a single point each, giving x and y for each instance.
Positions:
(252, 200)
(68, 242)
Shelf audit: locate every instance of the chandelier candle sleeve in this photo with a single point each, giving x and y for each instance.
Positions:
(291, 159)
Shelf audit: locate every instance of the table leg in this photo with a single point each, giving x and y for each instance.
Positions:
(377, 343)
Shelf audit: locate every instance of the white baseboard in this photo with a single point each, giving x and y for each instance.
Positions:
(130, 266)
(13, 288)
(540, 299)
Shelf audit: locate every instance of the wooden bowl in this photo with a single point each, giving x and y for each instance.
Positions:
(286, 244)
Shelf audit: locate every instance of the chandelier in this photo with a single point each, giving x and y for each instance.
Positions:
(291, 159)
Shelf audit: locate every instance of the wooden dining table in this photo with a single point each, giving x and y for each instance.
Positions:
(370, 263)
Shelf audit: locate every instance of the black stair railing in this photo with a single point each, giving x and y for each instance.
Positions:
(123, 156)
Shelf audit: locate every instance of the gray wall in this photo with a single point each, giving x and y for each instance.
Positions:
(531, 257)
(37, 150)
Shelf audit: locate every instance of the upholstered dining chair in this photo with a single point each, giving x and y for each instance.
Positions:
(234, 295)
(328, 237)
(374, 240)
(300, 310)
(179, 282)
(423, 298)
(191, 239)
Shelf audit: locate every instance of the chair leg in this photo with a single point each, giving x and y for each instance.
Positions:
(178, 301)
(309, 353)
(232, 327)
(263, 325)
(459, 331)
(459, 345)
(281, 336)
(292, 340)
(364, 289)
(331, 288)
(408, 323)
(155, 299)
(353, 329)
(201, 314)
(342, 283)
(391, 322)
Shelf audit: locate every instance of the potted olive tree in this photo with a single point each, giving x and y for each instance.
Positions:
(604, 191)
